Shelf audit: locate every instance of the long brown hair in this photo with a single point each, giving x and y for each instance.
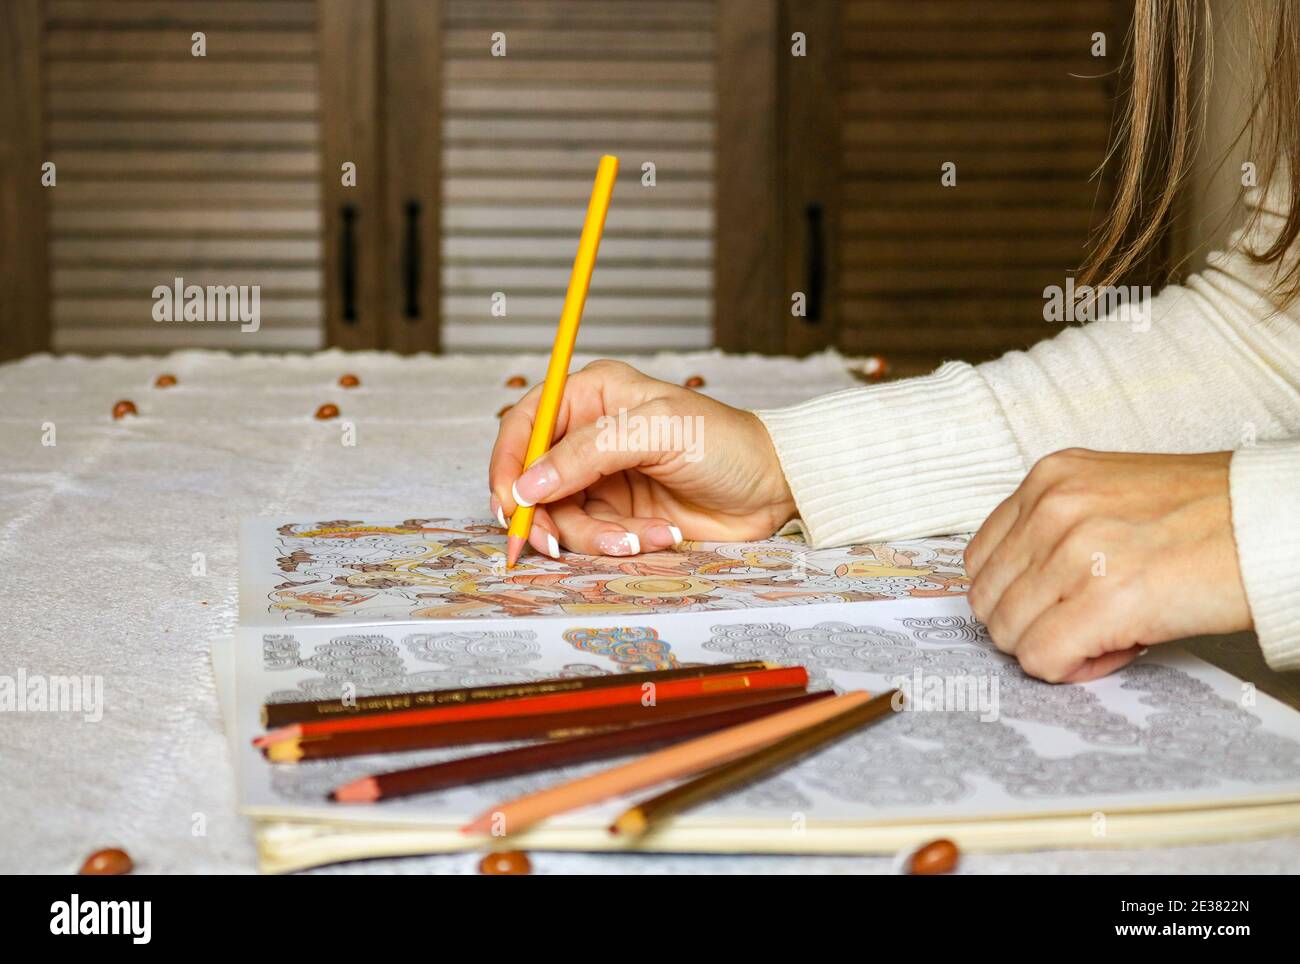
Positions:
(1158, 132)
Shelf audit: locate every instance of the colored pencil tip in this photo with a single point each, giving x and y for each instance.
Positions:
(365, 790)
(478, 825)
(631, 823)
(286, 751)
(514, 548)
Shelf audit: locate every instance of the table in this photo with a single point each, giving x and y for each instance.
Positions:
(118, 554)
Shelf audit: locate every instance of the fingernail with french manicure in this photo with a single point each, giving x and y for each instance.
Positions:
(661, 537)
(539, 479)
(618, 543)
(543, 541)
(496, 511)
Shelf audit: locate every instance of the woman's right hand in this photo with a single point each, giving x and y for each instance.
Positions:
(637, 465)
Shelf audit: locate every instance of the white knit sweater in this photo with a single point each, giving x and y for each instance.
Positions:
(1218, 368)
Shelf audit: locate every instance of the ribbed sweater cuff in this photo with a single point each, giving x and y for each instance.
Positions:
(912, 458)
(1265, 487)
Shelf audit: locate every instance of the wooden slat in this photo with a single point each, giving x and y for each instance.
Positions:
(1007, 72)
(187, 252)
(973, 192)
(1071, 222)
(218, 163)
(562, 130)
(574, 42)
(990, 15)
(916, 94)
(543, 100)
(177, 78)
(523, 249)
(530, 218)
(547, 309)
(164, 43)
(180, 13)
(138, 133)
(100, 312)
(161, 193)
(874, 253)
(576, 159)
(83, 280)
(673, 190)
(243, 103)
(288, 337)
(628, 14)
(519, 72)
(495, 277)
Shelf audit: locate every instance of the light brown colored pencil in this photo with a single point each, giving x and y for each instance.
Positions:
(713, 783)
(674, 762)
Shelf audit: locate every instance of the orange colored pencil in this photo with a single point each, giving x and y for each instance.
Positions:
(675, 762)
(631, 694)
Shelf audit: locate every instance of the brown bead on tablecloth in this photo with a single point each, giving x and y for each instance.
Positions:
(936, 857)
(164, 381)
(506, 863)
(124, 408)
(504, 409)
(516, 381)
(349, 381)
(875, 367)
(328, 410)
(107, 863)
(694, 381)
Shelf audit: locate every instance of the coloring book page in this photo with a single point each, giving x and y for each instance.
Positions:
(979, 739)
(366, 572)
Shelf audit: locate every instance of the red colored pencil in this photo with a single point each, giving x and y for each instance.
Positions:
(633, 693)
(545, 756)
(547, 726)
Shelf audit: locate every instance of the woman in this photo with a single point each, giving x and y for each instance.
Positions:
(1130, 483)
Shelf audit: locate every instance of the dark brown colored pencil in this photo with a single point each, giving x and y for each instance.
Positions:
(541, 726)
(547, 756)
(283, 714)
(713, 783)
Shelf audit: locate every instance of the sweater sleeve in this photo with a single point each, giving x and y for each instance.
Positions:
(1265, 485)
(1212, 365)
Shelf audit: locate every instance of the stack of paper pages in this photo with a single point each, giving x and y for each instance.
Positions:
(1170, 750)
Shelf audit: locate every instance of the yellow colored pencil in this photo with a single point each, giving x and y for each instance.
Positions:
(682, 760)
(566, 333)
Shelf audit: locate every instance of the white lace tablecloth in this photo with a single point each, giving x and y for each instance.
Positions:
(98, 577)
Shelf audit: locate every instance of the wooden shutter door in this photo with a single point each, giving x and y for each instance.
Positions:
(522, 134)
(1007, 91)
(171, 165)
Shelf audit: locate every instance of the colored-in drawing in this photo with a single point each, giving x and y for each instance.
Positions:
(366, 571)
(632, 648)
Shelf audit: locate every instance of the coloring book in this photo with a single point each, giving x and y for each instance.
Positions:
(1169, 749)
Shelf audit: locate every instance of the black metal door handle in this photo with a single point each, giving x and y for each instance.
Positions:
(348, 263)
(411, 261)
(814, 262)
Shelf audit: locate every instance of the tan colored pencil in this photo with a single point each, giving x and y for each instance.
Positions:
(672, 763)
(640, 818)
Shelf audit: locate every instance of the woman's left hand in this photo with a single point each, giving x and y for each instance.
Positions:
(1099, 554)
